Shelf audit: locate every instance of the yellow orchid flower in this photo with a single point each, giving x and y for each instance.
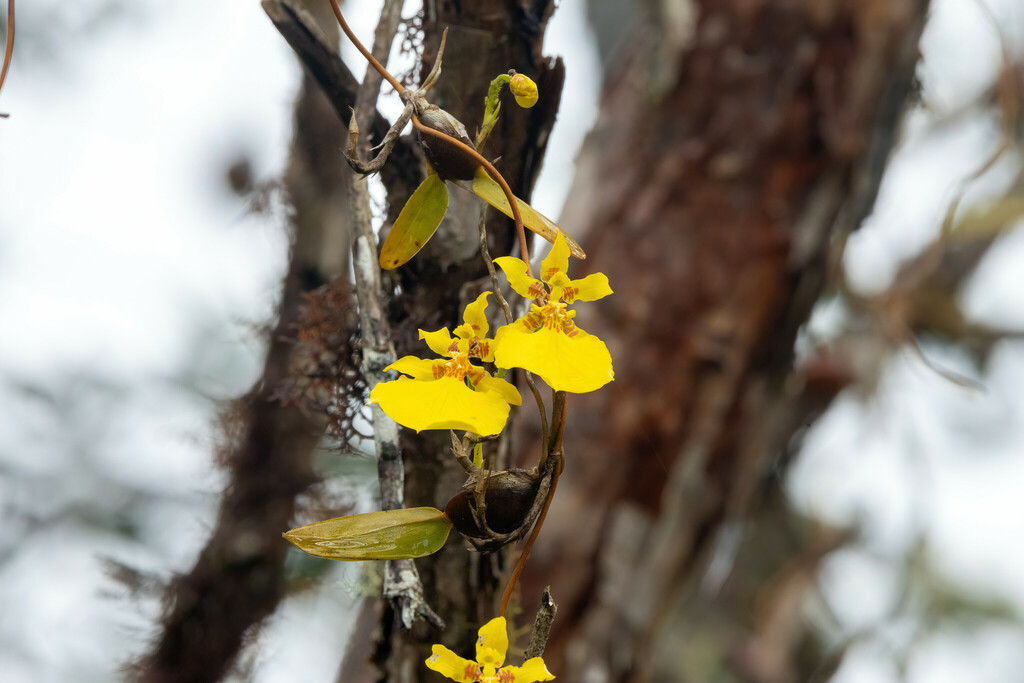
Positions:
(491, 646)
(435, 395)
(546, 341)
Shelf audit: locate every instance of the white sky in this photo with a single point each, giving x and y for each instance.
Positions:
(116, 240)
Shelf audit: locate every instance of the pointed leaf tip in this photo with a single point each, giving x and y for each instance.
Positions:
(416, 223)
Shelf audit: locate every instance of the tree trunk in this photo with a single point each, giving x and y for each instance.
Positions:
(485, 40)
(737, 143)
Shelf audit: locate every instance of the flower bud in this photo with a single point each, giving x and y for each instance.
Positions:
(523, 89)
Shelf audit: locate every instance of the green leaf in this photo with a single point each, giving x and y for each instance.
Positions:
(491, 192)
(389, 535)
(416, 223)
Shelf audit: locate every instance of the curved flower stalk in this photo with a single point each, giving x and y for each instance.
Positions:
(426, 208)
(546, 341)
(491, 646)
(450, 392)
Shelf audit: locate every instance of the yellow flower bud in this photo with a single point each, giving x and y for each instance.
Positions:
(524, 90)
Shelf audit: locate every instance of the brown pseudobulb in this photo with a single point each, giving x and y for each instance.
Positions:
(450, 162)
(509, 497)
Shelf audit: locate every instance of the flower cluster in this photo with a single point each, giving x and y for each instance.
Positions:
(453, 393)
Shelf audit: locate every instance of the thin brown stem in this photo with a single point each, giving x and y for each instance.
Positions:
(493, 172)
(366, 53)
(518, 569)
(558, 422)
(9, 47)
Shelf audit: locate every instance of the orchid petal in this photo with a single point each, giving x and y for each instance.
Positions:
(532, 671)
(475, 319)
(450, 665)
(502, 388)
(417, 368)
(515, 270)
(440, 342)
(576, 364)
(492, 643)
(557, 260)
(446, 403)
(591, 288)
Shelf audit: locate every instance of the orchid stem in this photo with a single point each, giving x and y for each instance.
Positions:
(508, 321)
(9, 47)
(366, 53)
(491, 171)
(518, 569)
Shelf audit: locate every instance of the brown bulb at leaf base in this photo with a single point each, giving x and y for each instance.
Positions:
(509, 497)
(450, 162)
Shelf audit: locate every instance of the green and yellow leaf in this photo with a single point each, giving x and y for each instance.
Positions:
(416, 223)
(388, 535)
(491, 192)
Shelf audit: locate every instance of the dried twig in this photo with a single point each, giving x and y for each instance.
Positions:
(542, 625)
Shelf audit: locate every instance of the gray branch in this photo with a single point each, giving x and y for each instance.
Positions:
(402, 585)
(324, 62)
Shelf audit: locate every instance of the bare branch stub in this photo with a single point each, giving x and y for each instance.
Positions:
(542, 625)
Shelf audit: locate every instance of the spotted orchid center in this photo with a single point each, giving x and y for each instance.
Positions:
(457, 366)
(554, 316)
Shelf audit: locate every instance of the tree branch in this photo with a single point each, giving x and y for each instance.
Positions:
(401, 580)
(324, 62)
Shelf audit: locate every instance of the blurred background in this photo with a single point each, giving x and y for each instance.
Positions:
(143, 239)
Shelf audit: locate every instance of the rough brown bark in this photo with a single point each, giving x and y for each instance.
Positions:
(485, 39)
(736, 142)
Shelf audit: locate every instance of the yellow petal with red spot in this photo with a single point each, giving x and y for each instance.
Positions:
(515, 270)
(417, 368)
(590, 288)
(446, 403)
(492, 643)
(531, 671)
(576, 364)
(475, 319)
(440, 342)
(557, 260)
(450, 665)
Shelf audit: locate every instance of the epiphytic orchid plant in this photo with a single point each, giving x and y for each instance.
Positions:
(464, 387)
(451, 156)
